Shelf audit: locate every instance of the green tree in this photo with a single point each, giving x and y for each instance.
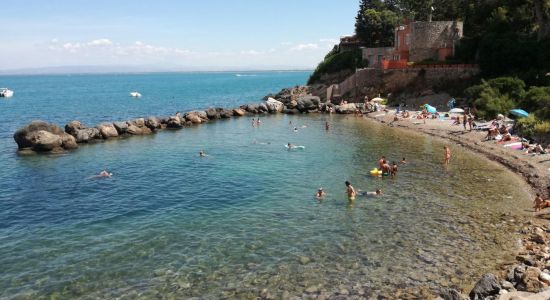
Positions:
(375, 22)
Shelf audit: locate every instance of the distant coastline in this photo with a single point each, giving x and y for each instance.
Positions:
(98, 70)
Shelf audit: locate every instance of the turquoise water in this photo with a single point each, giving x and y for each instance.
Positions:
(243, 219)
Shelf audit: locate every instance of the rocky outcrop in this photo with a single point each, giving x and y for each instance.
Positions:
(193, 118)
(274, 106)
(73, 127)
(174, 122)
(349, 108)
(121, 127)
(308, 103)
(226, 113)
(239, 112)
(212, 114)
(40, 136)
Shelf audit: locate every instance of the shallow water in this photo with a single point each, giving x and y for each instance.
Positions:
(244, 218)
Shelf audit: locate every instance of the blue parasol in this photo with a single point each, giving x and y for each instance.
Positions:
(519, 113)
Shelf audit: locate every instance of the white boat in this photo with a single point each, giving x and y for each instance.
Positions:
(5, 92)
(135, 94)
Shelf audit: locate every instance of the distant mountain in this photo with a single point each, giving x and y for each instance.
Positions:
(144, 69)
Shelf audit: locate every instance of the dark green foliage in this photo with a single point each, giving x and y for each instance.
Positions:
(336, 62)
(375, 23)
(537, 101)
(496, 96)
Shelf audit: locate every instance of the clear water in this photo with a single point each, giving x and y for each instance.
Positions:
(243, 219)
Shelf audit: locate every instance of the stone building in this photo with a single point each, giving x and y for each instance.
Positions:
(415, 42)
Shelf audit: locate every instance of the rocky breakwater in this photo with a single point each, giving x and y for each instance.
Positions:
(40, 136)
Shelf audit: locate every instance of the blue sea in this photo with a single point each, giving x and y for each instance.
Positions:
(242, 222)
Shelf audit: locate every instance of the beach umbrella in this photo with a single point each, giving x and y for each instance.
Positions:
(519, 113)
(456, 111)
(377, 99)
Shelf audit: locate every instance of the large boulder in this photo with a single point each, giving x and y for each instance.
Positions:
(107, 130)
(68, 142)
(201, 113)
(41, 136)
(308, 103)
(193, 118)
(74, 126)
(251, 108)
(226, 113)
(43, 141)
(153, 123)
(121, 127)
(292, 104)
(212, 113)
(23, 135)
(140, 122)
(274, 106)
(349, 108)
(88, 135)
(487, 286)
(239, 112)
(262, 108)
(134, 130)
(174, 122)
(293, 111)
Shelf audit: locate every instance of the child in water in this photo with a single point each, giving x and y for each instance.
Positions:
(350, 191)
(393, 169)
(320, 194)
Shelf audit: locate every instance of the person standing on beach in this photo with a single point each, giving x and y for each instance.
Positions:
(465, 120)
(447, 155)
(350, 191)
(539, 203)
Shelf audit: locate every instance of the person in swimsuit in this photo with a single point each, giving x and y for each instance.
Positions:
(381, 162)
(386, 168)
(350, 191)
(327, 126)
(290, 146)
(403, 161)
(447, 155)
(393, 169)
(320, 194)
(378, 192)
(539, 203)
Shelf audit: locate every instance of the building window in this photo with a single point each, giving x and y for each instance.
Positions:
(408, 39)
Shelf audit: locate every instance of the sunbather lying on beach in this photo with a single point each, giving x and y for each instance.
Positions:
(506, 136)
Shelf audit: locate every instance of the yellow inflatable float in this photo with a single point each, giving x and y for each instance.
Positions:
(376, 172)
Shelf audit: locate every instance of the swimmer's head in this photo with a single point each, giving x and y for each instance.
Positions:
(348, 183)
(378, 191)
(320, 189)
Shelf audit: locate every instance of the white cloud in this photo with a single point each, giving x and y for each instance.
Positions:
(100, 42)
(302, 47)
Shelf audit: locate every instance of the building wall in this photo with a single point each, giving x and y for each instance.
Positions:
(428, 37)
(376, 55)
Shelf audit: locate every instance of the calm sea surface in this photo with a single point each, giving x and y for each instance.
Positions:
(243, 219)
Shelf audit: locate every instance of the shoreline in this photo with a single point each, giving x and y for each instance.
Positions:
(532, 253)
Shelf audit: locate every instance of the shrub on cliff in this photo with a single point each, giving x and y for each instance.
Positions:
(496, 96)
(537, 101)
(338, 61)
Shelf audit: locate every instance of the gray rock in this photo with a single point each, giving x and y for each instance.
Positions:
(262, 108)
(274, 106)
(23, 136)
(251, 108)
(43, 141)
(349, 108)
(87, 135)
(121, 127)
(68, 142)
(140, 122)
(226, 113)
(153, 123)
(486, 286)
(292, 104)
(306, 103)
(451, 294)
(107, 130)
(291, 111)
(134, 130)
(174, 122)
(74, 126)
(239, 112)
(201, 113)
(212, 113)
(193, 118)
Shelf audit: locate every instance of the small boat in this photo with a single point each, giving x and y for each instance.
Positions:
(5, 92)
(135, 94)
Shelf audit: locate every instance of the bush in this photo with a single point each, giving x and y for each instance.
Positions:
(537, 101)
(496, 96)
(526, 126)
(338, 61)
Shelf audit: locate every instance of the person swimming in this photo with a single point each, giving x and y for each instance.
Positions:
(102, 174)
(295, 129)
(327, 126)
(403, 161)
(393, 170)
(320, 194)
(350, 190)
(376, 193)
(290, 146)
(202, 153)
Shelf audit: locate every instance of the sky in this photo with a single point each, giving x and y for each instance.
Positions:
(189, 34)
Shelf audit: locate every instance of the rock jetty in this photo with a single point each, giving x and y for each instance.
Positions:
(40, 136)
